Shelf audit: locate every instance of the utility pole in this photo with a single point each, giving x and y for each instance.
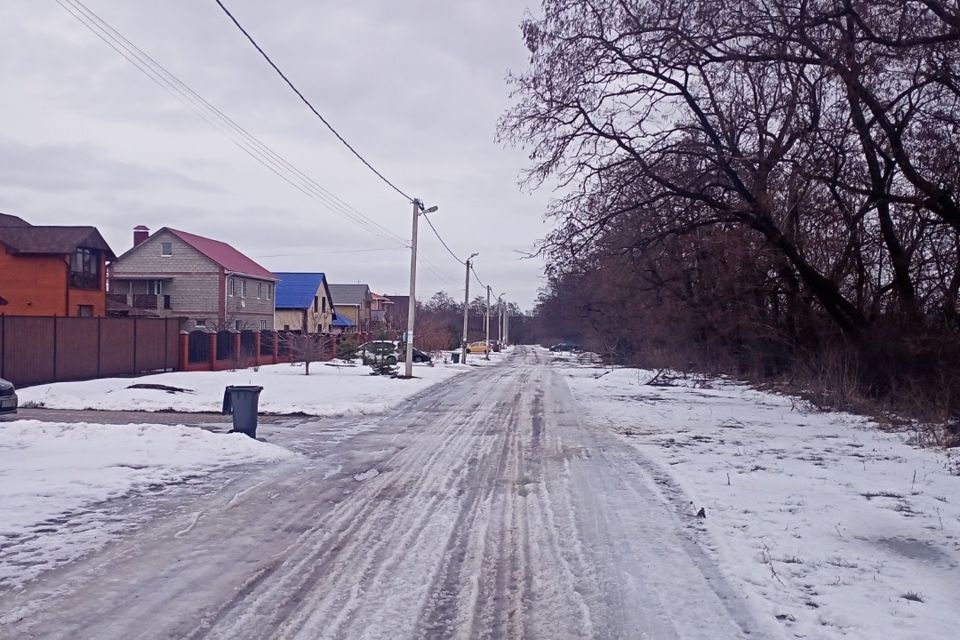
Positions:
(486, 325)
(412, 306)
(500, 320)
(466, 310)
(506, 326)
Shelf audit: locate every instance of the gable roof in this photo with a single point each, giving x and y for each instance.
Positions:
(349, 294)
(223, 254)
(297, 290)
(7, 220)
(43, 240)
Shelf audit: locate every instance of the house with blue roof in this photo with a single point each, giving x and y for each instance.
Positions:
(304, 303)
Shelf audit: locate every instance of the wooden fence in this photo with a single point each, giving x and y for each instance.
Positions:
(39, 350)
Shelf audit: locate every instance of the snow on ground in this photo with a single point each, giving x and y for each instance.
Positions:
(837, 529)
(54, 477)
(331, 389)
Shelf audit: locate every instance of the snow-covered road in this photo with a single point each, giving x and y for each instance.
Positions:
(483, 508)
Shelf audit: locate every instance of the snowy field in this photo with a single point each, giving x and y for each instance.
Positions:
(54, 477)
(838, 529)
(331, 389)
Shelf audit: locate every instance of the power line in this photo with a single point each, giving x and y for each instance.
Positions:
(210, 114)
(242, 138)
(437, 233)
(479, 281)
(327, 252)
(309, 105)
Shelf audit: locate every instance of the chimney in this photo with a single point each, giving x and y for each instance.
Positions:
(140, 233)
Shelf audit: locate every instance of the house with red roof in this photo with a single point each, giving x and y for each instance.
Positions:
(52, 270)
(213, 286)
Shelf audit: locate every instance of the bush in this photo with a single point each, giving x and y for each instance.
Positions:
(347, 350)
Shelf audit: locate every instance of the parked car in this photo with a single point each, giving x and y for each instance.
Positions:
(376, 349)
(418, 355)
(8, 398)
(477, 347)
(565, 346)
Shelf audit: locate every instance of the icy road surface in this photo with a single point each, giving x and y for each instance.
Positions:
(484, 508)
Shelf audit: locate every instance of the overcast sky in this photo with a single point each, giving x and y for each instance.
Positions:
(415, 85)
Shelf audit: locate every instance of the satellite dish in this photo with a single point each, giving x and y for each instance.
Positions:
(243, 304)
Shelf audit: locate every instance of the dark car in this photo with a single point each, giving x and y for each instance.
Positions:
(565, 346)
(418, 356)
(8, 398)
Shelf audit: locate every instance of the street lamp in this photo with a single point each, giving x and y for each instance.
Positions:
(418, 209)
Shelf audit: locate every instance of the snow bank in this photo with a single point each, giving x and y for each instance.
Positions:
(51, 475)
(834, 525)
(329, 390)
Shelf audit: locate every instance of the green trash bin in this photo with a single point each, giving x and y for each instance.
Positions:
(455, 357)
(242, 402)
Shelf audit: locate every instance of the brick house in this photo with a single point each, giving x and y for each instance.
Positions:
(303, 302)
(172, 273)
(52, 270)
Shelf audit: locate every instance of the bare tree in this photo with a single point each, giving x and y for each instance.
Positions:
(303, 348)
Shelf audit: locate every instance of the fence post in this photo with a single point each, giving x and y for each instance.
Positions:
(184, 351)
(135, 370)
(99, 342)
(213, 352)
(166, 345)
(256, 347)
(276, 346)
(237, 350)
(55, 345)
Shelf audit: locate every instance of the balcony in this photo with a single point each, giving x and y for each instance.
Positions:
(84, 280)
(150, 301)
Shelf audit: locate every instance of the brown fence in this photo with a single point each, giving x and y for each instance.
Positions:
(38, 350)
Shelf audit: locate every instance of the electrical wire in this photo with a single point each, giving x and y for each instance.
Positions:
(309, 105)
(436, 233)
(327, 252)
(479, 281)
(214, 117)
(246, 141)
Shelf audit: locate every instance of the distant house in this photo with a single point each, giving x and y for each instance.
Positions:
(303, 302)
(380, 310)
(353, 302)
(398, 314)
(172, 273)
(52, 270)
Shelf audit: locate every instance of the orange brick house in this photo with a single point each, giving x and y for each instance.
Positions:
(52, 270)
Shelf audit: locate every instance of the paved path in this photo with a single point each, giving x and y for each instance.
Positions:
(484, 508)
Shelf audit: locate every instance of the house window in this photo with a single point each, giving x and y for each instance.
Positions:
(316, 304)
(85, 311)
(85, 269)
(323, 304)
(243, 288)
(269, 291)
(238, 325)
(233, 287)
(259, 290)
(166, 249)
(201, 323)
(263, 325)
(155, 287)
